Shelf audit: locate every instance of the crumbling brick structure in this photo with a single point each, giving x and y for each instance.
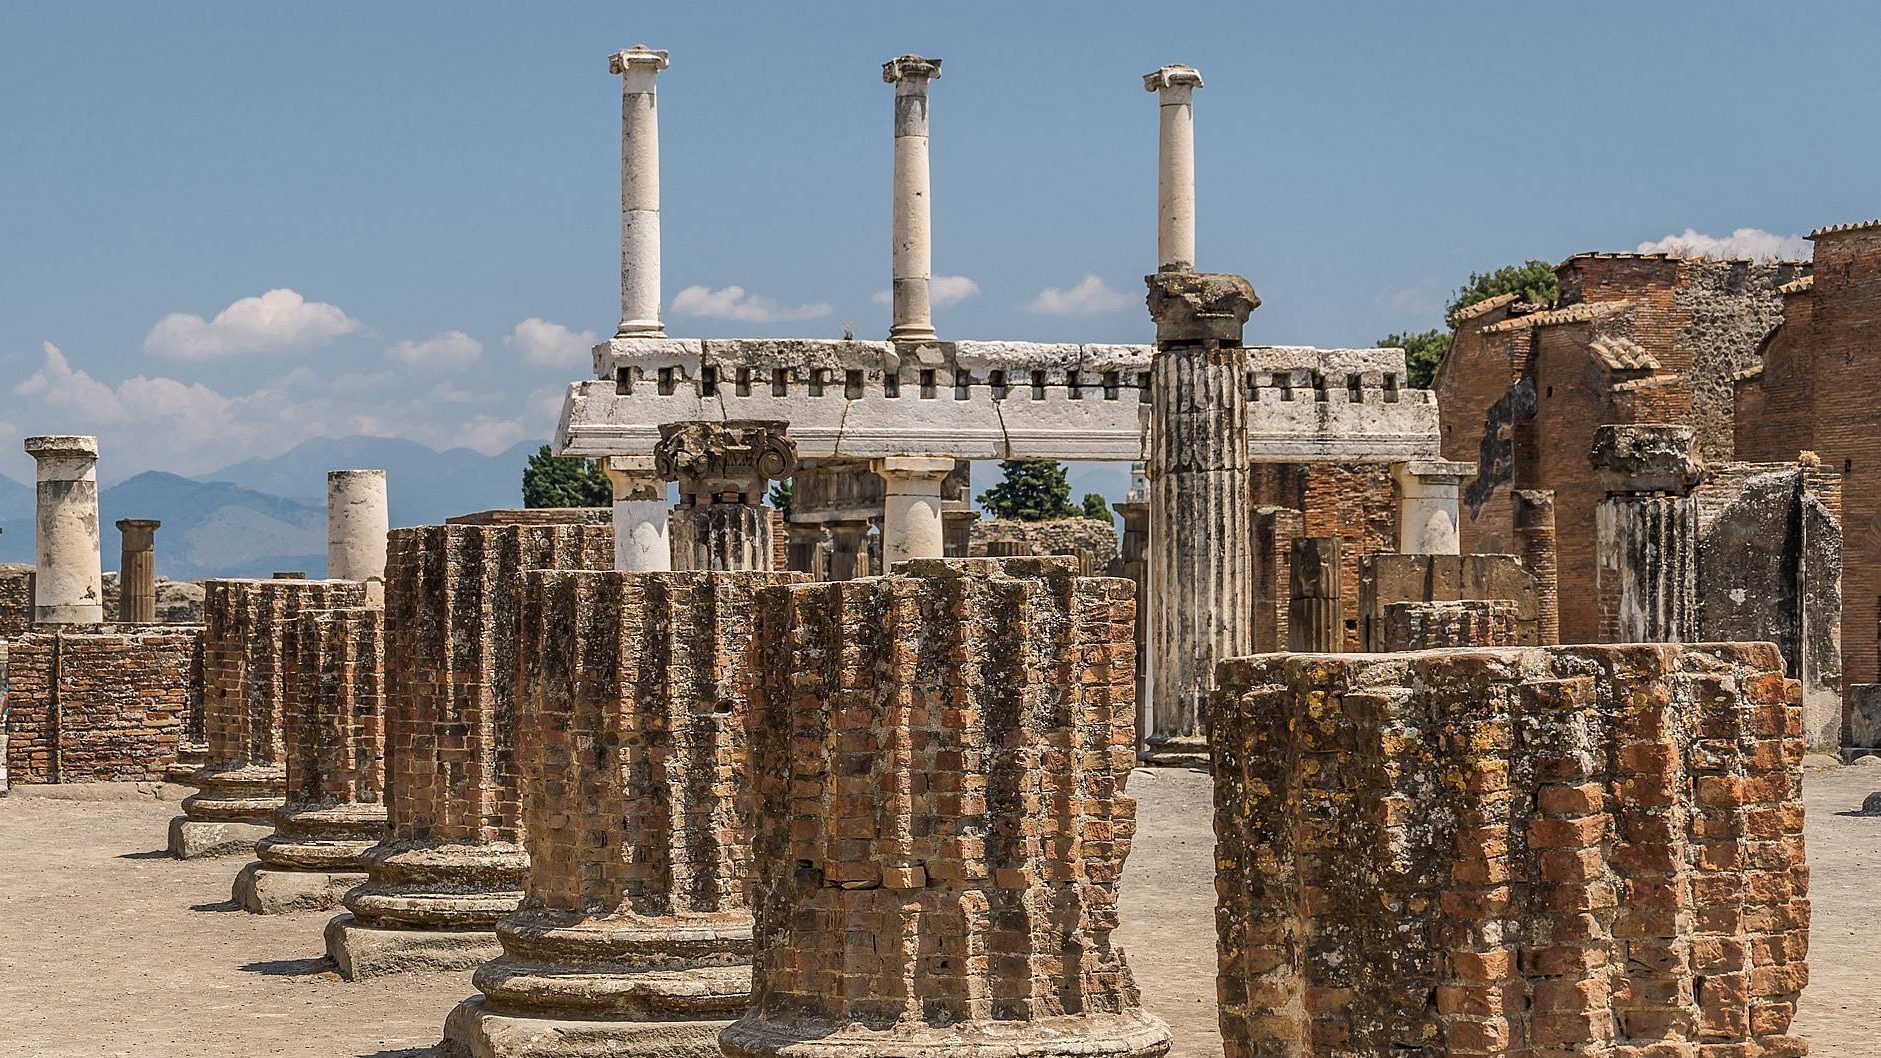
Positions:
(939, 758)
(1388, 579)
(634, 934)
(247, 647)
(334, 741)
(1634, 338)
(1459, 623)
(99, 705)
(1355, 503)
(16, 599)
(452, 862)
(1587, 850)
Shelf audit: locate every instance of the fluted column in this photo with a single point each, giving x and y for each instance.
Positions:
(1534, 534)
(1646, 533)
(68, 576)
(723, 470)
(1315, 614)
(913, 250)
(1175, 166)
(911, 507)
(1201, 556)
(634, 934)
(638, 68)
(137, 570)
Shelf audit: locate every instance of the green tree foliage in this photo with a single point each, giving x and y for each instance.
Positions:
(1423, 351)
(780, 495)
(1034, 490)
(548, 481)
(1096, 506)
(1533, 280)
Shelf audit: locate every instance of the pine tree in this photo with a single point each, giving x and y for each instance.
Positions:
(552, 481)
(1095, 506)
(1034, 490)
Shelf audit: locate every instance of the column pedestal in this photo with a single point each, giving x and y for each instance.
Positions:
(642, 540)
(912, 526)
(1427, 505)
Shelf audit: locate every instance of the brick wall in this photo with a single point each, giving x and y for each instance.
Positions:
(1094, 541)
(248, 648)
(99, 706)
(334, 723)
(1592, 850)
(1357, 503)
(16, 599)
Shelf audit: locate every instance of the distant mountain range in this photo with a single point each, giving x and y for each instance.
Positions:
(263, 515)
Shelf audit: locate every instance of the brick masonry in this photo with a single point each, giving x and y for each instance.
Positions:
(99, 706)
(16, 599)
(941, 827)
(1092, 541)
(1464, 623)
(1590, 850)
(1356, 503)
(1387, 579)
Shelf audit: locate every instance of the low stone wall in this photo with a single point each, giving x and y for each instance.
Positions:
(179, 602)
(1385, 579)
(1463, 623)
(100, 705)
(16, 599)
(1588, 850)
(1092, 542)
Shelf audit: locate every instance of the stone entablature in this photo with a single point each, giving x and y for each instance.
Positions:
(983, 399)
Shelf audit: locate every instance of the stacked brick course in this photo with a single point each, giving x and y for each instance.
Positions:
(1357, 504)
(1462, 623)
(1590, 850)
(939, 758)
(99, 706)
(632, 708)
(16, 599)
(452, 862)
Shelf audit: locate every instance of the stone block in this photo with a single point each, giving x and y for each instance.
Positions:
(194, 838)
(261, 891)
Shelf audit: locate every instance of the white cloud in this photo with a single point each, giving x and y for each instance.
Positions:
(732, 303)
(277, 320)
(1752, 243)
(537, 341)
(450, 349)
(941, 291)
(1089, 298)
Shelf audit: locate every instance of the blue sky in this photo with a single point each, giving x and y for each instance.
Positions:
(419, 180)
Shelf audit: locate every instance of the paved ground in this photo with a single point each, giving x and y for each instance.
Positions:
(109, 949)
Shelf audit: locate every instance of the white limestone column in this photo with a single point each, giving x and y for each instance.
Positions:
(912, 526)
(1175, 166)
(68, 579)
(913, 220)
(638, 68)
(642, 541)
(1427, 505)
(358, 520)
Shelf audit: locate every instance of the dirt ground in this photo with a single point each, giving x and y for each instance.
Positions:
(108, 948)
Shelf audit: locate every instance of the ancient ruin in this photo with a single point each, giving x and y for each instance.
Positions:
(939, 757)
(67, 588)
(634, 934)
(1589, 850)
(452, 862)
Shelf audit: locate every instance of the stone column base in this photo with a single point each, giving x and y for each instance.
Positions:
(474, 1032)
(1135, 1034)
(367, 951)
(1176, 751)
(265, 890)
(193, 838)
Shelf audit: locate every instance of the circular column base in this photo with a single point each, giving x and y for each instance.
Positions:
(560, 965)
(1134, 1034)
(245, 794)
(439, 885)
(473, 1031)
(323, 837)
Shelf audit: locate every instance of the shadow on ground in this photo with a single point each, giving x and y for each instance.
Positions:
(291, 968)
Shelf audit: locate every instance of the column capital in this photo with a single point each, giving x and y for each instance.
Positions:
(638, 59)
(62, 445)
(1646, 457)
(913, 466)
(738, 455)
(1443, 474)
(138, 533)
(915, 69)
(1172, 76)
(1199, 306)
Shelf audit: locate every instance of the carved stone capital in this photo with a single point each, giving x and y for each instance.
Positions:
(1647, 457)
(638, 59)
(910, 67)
(1174, 76)
(737, 456)
(1199, 306)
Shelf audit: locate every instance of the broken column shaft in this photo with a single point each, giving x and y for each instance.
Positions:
(1646, 531)
(137, 570)
(1534, 534)
(68, 578)
(1427, 505)
(723, 470)
(913, 251)
(358, 518)
(642, 540)
(939, 756)
(639, 68)
(1175, 165)
(911, 507)
(1315, 591)
(452, 862)
(634, 936)
(1201, 557)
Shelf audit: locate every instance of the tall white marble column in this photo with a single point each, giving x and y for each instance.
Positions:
(642, 543)
(1201, 558)
(1427, 505)
(358, 519)
(1175, 166)
(913, 219)
(68, 578)
(912, 526)
(639, 67)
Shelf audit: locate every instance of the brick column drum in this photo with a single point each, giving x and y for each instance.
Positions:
(939, 756)
(634, 935)
(723, 470)
(452, 862)
(1462, 623)
(1646, 530)
(335, 741)
(246, 636)
(1584, 850)
(1201, 599)
(1534, 534)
